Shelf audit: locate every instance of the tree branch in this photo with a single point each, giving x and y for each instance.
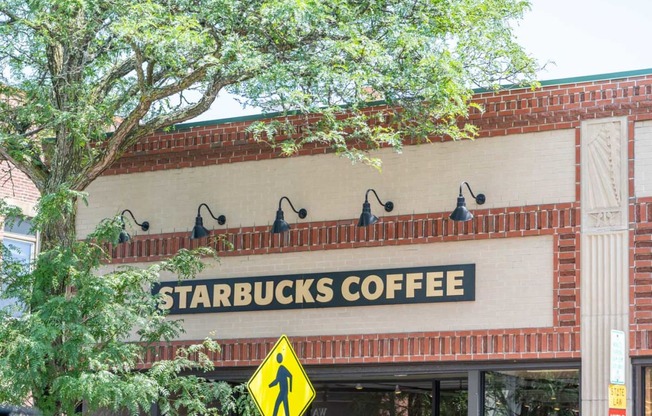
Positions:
(188, 112)
(13, 18)
(138, 56)
(178, 86)
(34, 170)
(7, 173)
(129, 132)
(117, 72)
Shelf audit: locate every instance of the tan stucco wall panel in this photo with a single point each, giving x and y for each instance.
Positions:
(527, 169)
(513, 290)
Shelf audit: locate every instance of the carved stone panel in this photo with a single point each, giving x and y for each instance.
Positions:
(604, 174)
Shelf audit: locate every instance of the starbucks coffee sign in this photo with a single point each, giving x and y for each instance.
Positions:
(432, 284)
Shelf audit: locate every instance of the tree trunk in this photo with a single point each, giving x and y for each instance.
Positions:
(59, 232)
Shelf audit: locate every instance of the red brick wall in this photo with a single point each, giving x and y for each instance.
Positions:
(510, 112)
(641, 277)
(15, 185)
(523, 344)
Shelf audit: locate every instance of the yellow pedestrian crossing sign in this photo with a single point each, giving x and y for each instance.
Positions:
(280, 386)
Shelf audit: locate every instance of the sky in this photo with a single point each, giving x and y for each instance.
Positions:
(585, 37)
(571, 37)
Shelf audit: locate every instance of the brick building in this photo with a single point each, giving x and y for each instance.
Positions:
(512, 311)
(17, 189)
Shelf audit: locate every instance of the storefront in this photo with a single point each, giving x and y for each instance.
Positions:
(417, 313)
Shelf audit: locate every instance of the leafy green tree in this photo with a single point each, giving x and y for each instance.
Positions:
(71, 70)
(68, 350)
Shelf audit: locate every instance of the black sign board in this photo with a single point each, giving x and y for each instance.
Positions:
(320, 290)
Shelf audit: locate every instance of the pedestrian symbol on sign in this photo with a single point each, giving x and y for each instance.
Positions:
(280, 386)
(283, 378)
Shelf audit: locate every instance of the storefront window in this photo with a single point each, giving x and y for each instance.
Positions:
(20, 247)
(351, 402)
(532, 393)
(454, 402)
(648, 391)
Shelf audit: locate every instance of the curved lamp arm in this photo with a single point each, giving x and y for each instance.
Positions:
(479, 199)
(389, 205)
(220, 219)
(302, 212)
(143, 226)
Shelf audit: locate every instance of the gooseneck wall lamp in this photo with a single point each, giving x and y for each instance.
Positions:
(124, 235)
(367, 218)
(280, 225)
(199, 231)
(461, 213)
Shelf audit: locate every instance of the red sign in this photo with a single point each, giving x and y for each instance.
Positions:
(617, 412)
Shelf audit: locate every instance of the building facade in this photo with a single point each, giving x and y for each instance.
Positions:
(537, 305)
(18, 190)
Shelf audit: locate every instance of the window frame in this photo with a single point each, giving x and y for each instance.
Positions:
(639, 365)
(6, 237)
(22, 238)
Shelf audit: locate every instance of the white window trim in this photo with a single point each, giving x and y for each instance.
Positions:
(26, 238)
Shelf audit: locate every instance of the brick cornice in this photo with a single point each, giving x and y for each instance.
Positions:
(442, 346)
(407, 229)
(507, 112)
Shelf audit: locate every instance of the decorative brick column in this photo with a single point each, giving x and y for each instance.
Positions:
(604, 303)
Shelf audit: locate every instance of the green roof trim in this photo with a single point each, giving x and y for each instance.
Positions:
(252, 117)
(546, 83)
(576, 80)
(598, 77)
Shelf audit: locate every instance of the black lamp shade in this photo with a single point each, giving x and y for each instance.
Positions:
(367, 218)
(280, 225)
(199, 231)
(461, 213)
(124, 236)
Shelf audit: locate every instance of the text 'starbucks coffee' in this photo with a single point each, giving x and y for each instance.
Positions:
(321, 290)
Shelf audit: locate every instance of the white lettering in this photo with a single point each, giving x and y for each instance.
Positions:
(378, 286)
(183, 295)
(324, 290)
(434, 284)
(269, 292)
(166, 300)
(221, 294)
(346, 288)
(281, 297)
(413, 283)
(454, 283)
(302, 289)
(200, 295)
(394, 283)
(241, 294)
